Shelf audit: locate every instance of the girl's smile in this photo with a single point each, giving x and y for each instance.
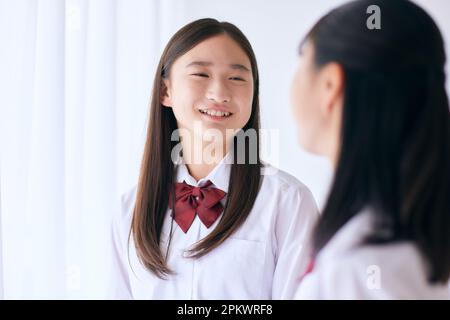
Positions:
(215, 112)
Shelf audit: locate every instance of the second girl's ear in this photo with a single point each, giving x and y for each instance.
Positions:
(332, 86)
(164, 95)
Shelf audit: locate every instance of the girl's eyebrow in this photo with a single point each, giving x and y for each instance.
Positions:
(236, 66)
(199, 63)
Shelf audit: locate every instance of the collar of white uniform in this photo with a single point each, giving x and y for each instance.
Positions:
(219, 176)
(352, 234)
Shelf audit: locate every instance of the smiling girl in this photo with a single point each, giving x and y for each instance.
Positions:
(216, 228)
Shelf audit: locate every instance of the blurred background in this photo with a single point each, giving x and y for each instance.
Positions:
(75, 82)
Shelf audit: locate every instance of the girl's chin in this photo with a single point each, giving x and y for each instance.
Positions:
(214, 134)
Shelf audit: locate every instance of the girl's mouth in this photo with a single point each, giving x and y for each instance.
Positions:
(215, 114)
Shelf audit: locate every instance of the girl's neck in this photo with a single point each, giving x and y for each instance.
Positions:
(199, 171)
(202, 159)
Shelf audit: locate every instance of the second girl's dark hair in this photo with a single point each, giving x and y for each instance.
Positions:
(395, 138)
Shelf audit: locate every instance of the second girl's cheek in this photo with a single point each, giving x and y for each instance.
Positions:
(295, 104)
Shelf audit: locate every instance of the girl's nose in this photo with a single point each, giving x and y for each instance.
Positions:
(218, 92)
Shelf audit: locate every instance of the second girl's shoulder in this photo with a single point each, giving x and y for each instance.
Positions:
(389, 271)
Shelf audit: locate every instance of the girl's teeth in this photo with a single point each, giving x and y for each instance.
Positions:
(216, 113)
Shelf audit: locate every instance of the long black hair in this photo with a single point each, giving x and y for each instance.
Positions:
(395, 139)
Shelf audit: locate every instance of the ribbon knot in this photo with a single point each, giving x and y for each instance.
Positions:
(189, 201)
(196, 192)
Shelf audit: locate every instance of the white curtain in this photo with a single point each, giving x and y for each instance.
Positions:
(76, 78)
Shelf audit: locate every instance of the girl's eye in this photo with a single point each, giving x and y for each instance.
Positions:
(203, 75)
(237, 79)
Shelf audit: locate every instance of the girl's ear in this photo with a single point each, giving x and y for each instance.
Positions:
(164, 98)
(332, 87)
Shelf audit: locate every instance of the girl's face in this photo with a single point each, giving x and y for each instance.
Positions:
(211, 87)
(316, 99)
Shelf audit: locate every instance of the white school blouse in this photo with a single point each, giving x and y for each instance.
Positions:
(345, 269)
(263, 259)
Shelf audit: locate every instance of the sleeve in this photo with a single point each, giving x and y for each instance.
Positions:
(120, 287)
(297, 216)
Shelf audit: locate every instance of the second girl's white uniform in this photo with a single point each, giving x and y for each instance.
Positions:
(263, 259)
(345, 269)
